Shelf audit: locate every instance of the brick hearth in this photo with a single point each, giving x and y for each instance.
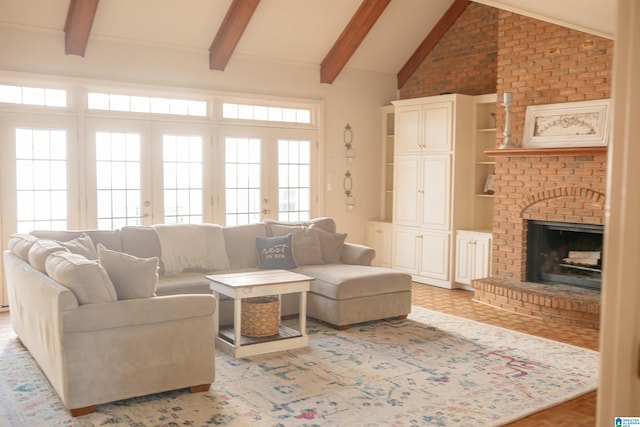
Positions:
(555, 302)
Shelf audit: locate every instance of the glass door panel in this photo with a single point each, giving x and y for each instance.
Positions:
(243, 180)
(118, 174)
(268, 174)
(41, 179)
(182, 179)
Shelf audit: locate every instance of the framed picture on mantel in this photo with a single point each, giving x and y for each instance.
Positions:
(570, 124)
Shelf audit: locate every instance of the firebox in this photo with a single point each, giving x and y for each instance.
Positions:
(564, 253)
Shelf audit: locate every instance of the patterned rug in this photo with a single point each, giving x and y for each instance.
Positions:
(430, 370)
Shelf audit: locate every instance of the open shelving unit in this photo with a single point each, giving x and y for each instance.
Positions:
(485, 140)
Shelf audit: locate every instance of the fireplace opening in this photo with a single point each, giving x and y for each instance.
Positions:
(564, 253)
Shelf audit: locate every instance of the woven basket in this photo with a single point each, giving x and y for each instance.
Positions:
(260, 317)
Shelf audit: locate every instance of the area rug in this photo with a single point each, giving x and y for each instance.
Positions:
(430, 370)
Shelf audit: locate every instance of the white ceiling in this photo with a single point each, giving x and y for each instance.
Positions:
(300, 31)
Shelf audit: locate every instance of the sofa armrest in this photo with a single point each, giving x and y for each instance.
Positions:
(139, 311)
(353, 253)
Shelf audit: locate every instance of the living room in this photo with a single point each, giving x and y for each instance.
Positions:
(355, 97)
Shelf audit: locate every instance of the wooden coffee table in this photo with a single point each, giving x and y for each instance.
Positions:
(239, 286)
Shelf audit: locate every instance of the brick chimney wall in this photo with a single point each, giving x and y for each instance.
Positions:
(540, 63)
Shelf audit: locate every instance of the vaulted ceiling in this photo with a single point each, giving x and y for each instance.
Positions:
(378, 35)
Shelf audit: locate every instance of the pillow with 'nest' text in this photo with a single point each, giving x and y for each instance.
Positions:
(275, 252)
(132, 277)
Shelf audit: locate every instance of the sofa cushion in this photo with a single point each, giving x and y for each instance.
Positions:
(87, 279)
(192, 247)
(81, 245)
(305, 241)
(109, 238)
(131, 276)
(238, 239)
(40, 250)
(141, 242)
(275, 252)
(331, 245)
(343, 281)
(20, 244)
(326, 223)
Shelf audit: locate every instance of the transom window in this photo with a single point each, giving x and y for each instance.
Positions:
(266, 113)
(33, 96)
(146, 104)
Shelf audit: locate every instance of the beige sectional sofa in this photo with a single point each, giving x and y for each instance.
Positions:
(84, 301)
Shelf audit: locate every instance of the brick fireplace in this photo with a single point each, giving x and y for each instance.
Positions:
(545, 186)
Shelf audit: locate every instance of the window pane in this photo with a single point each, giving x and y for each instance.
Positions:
(183, 181)
(41, 179)
(118, 179)
(294, 178)
(242, 180)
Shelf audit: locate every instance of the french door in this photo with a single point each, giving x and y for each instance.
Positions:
(267, 173)
(143, 173)
(38, 181)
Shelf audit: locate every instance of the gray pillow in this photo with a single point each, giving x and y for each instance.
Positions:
(331, 245)
(40, 250)
(132, 277)
(82, 245)
(87, 279)
(275, 252)
(20, 244)
(306, 245)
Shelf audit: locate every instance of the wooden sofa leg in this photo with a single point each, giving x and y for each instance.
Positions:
(78, 412)
(200, 388)
(403, 317)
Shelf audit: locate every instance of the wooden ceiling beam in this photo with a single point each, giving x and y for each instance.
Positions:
(229, 33)
(77, 27)
(351, 37)
(432, 39)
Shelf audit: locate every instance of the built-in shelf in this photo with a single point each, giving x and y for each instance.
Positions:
(536, 151)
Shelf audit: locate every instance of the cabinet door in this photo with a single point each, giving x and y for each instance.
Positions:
(436, 188)
(405, 250)
(481, 258)
(407, 199)
(434, 261)
(379, 238)
(437, 123)
(408, 135)
(464, 258)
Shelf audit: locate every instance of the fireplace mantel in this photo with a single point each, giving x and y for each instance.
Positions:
(536, 151)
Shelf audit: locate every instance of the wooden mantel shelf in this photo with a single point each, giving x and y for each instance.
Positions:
(536, 151)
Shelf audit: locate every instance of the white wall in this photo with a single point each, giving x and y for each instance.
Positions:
(354, 97)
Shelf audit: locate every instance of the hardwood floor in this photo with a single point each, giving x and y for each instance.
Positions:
(575, 413)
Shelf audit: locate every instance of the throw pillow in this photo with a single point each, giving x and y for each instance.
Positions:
(20, 244)
(306, 245)
(82, 245)
(87, 279)
(331, 245)
(40, 250)
(275, 252)
(132, 277)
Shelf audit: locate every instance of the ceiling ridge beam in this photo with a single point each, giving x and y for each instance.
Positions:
(352, 35)
(77, 26)
(229, 33)
(432, 39)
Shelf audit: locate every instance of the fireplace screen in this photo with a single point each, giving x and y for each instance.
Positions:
(564, 253)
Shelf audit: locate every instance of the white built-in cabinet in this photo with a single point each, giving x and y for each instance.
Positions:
(433, 184)
(473, 255)
(379, 238)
